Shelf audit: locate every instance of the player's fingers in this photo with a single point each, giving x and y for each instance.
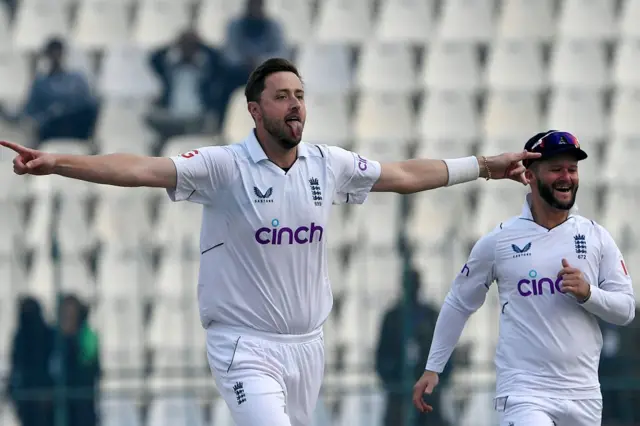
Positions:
(517, 170)
(521, 178)
(526, 155)
(418, 402)
(18, 165)
(15, 147)
(565, 272)
(429, 389)
(34, 164)
(422, 406)
(565, 263)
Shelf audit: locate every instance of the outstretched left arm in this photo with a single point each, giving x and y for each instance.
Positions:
(411, 176)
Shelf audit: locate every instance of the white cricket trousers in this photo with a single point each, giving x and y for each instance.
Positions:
(266, 379)
(535, 411)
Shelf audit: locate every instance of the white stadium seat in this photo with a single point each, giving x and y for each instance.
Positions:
(101, 23)
(344, 21)
(498, 203)
(123, 217)
(622, 198)
(326, 67)
(387, 67)
(470, 21)
(444, 148)
(160, 22)
(408, 21)
(448, 115)
(328, 119)
(378, 225)
(177, 279)
(381, 116)
(38, 20)
(516, 65)
(625, 110)
(119, 412)
(629, 16)
(295, 16)
(578, 110)
(123, 274)
(165, 411)
(15, 74)
(126, 74)
(121, 126)
(514, 115)
(626, 60)
(592, 20)
(221, 414)
(527, 20)
(579, 64)
(213, 18)
(452, 66)
(619, 167)
(436, 215)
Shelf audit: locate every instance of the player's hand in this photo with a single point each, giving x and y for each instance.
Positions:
(573, 282)
(30, 161)
(425, 385)
(508, 166)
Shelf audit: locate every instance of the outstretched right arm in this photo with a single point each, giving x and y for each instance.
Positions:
(112, 169)
(118, 169)
(467, 294)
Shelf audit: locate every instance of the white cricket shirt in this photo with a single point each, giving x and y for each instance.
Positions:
(549, 344)
(264, 231)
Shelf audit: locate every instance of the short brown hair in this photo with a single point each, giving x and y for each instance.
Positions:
(255, 84)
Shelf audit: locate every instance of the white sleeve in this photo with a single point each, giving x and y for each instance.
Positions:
(467, 294)
(202, 174)
(355, 175)
(612, 299)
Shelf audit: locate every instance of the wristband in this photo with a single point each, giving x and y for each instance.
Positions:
(462, 170)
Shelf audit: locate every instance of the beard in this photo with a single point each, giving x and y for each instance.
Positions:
(546, 192)
(280, 131)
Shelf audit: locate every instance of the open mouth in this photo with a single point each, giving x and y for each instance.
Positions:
(563, 188)
(292, 118)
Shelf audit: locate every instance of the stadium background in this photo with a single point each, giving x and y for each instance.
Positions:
(390, 79)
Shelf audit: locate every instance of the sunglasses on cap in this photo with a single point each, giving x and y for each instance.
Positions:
(554, 143)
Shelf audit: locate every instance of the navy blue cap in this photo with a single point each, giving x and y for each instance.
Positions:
(552, 143)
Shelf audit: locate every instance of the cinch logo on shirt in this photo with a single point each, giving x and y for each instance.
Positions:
(538, 286)
(278, 236)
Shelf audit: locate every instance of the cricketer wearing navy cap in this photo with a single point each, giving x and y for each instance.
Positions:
(557, 273)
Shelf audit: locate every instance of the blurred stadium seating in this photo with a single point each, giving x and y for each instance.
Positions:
(391, 79)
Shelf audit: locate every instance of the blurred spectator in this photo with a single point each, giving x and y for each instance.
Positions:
(191, 73)
(251, 39)
(394, 352)
(30, 384)
(81, 366)
(60, 102)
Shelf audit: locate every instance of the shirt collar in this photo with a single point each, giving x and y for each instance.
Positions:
(257, 153)
(526, 209)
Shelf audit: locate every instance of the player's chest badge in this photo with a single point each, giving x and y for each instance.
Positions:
(316, 191)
